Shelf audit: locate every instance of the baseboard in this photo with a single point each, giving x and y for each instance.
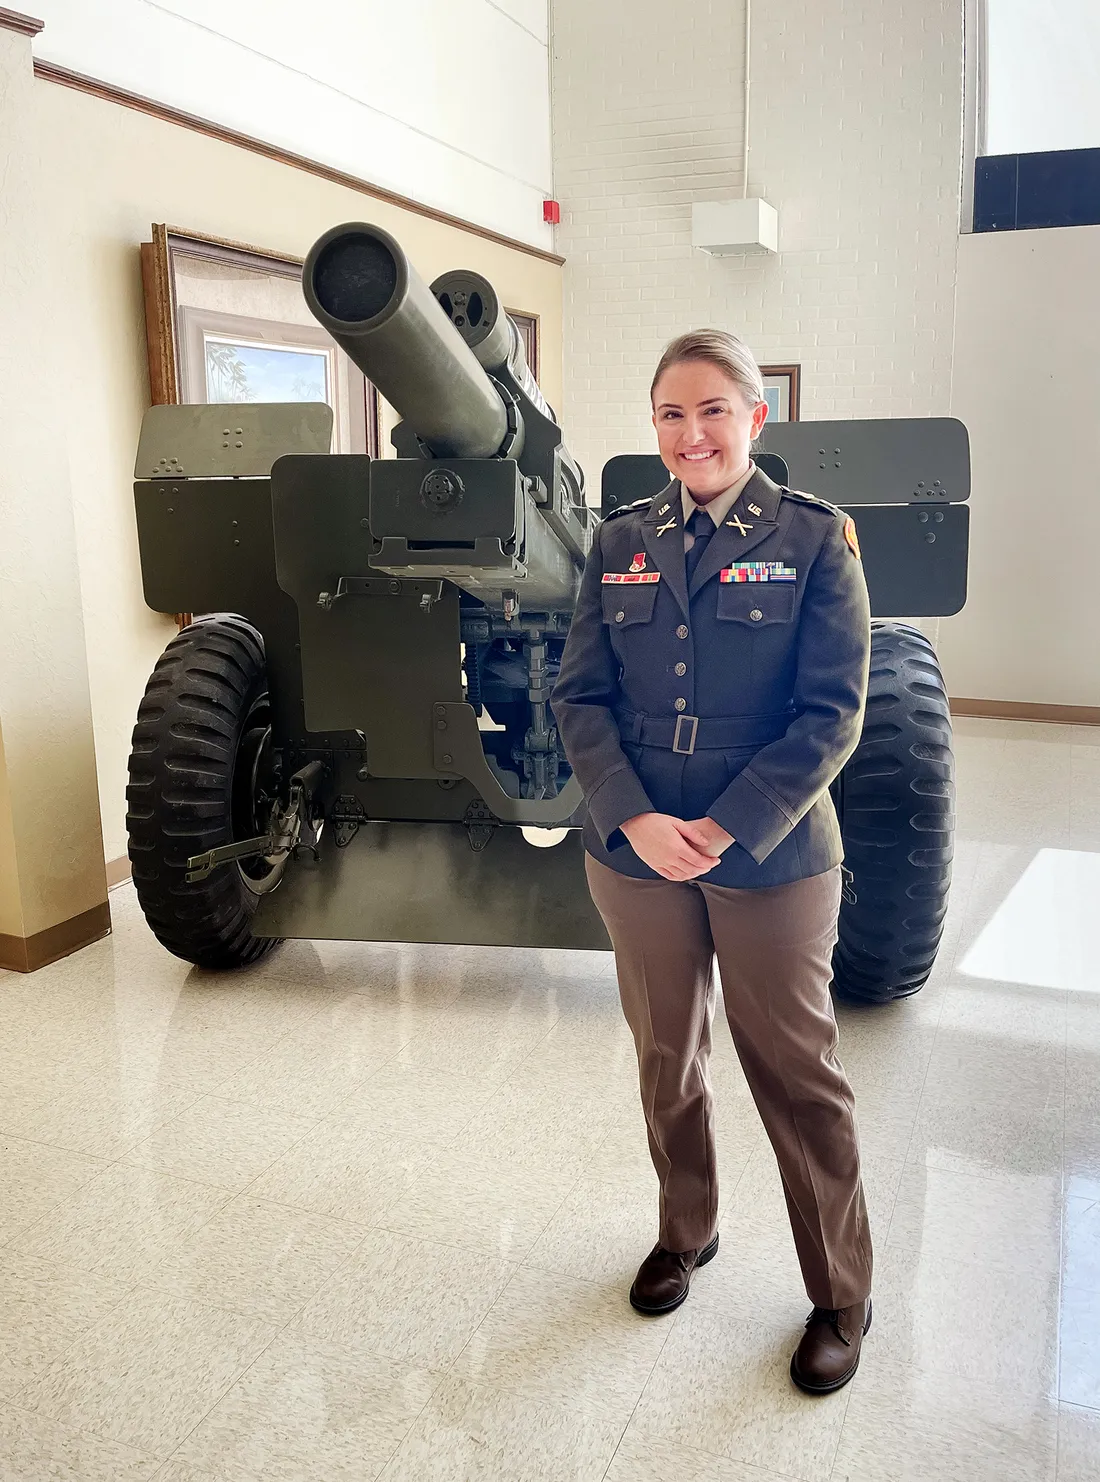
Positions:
(27, 954)
(1063, 715)
(118, 871)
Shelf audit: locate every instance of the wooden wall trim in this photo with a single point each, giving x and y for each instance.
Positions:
(1064, 715)
(27, 954)
(15, 20)
(49, 72)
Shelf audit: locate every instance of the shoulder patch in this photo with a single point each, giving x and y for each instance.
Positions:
(624, 509)
(822, 504)
(851, 537)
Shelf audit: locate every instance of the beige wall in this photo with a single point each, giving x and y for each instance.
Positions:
(11, 907)
(1027, 385)
(420, 90)
(107, 173)
(51, 853)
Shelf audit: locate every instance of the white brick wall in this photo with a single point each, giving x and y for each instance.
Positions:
(855, 139)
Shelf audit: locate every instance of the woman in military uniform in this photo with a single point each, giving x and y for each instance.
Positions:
(711, 689)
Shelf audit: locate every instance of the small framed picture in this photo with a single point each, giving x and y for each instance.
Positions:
(781, 391)
(528, 326)
(228, 323)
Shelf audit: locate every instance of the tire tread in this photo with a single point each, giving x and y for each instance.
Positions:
(903, 770)
(179, 796)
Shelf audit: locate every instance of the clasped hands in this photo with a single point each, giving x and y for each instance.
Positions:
(677, 850)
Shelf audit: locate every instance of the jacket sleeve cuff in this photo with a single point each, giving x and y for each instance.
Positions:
(618, 797)
(753, 814)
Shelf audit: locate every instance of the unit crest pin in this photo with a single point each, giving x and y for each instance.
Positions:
(638, 563)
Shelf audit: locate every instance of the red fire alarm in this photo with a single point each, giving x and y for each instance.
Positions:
(551, 213)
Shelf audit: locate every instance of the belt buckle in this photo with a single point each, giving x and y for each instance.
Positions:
(689, 749)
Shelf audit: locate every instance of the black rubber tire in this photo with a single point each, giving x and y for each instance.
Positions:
(896, 804)
(210, 682)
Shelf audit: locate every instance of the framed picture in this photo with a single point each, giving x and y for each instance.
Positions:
(228, 323)
(528, 326)
(781, 391)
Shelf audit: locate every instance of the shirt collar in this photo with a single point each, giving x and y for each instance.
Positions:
(720, 507)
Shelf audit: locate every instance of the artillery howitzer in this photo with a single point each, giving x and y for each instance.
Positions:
(356, 740)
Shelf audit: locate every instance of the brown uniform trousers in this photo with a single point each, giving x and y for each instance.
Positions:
(774, 948)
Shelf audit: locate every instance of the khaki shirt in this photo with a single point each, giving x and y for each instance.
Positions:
(718, 508)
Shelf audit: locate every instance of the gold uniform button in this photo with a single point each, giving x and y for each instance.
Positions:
(681, 668)
(619, 616)
(681, 704)
(681, 631)
(756, 614)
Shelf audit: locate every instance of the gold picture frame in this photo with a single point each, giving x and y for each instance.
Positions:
(226, 321)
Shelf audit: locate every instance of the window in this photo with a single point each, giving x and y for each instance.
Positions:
(1033, 119)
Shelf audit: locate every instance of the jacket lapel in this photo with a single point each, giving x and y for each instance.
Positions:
(728, 544)
(663, 535)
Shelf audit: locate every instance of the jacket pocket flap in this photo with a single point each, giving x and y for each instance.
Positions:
(756, 603)
(623, 605)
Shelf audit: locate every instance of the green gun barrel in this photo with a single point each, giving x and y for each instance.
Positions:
(361, 287)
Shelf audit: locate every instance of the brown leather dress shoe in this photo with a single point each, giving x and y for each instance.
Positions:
(664, 1277)
(828, 1354)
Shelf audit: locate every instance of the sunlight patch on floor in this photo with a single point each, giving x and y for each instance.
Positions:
(1046, 932)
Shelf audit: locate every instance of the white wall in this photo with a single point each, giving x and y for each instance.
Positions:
(1027, 384)
(1043, 75)
(855, 139)
(445, 101)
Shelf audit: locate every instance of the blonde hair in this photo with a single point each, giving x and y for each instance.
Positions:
(724, 350)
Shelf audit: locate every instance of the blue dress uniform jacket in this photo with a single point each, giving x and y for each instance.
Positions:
(740, 699)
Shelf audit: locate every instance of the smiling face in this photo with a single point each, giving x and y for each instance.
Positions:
(704, 426)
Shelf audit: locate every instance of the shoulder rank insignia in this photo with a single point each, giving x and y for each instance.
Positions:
(759, 571)
(624, 509)
(811, 499)
(851, 537)
(622, 578)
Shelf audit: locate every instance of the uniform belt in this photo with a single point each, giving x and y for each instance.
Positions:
(686, 734)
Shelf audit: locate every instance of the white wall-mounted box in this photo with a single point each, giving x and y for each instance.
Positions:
(723, 227)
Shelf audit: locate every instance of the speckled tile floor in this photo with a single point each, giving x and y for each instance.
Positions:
(372, 1211)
